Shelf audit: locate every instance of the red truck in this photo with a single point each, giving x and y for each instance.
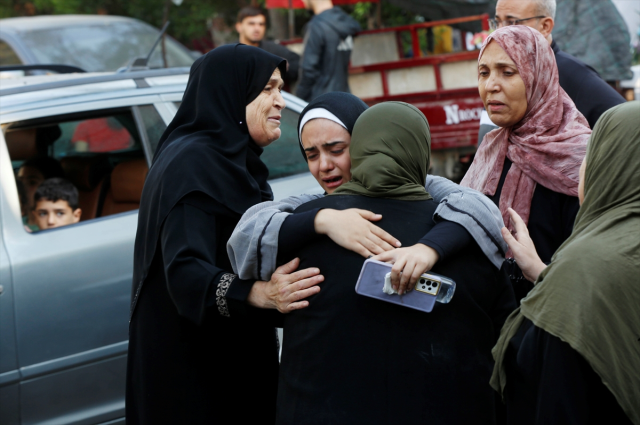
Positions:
(443, 86)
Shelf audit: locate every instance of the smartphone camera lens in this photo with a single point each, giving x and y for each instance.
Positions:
(422, 281)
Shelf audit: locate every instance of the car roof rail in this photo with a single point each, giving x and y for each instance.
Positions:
(134, 75)
(60, 69)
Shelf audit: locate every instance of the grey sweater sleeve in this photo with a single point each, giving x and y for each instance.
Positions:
(472, 210)
(253, 245)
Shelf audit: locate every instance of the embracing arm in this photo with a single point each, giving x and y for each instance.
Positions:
(351, 229)
(198, 287)
(462, 214)
(473, 211)
(253, 246)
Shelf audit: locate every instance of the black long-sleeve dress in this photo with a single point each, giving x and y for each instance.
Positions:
(349, 359)
(550, 383)
(551, 221)
(196, 351)
(189, 370)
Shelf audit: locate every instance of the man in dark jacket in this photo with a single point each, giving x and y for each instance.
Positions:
(591, 94)
(251, 25)
(328, 44)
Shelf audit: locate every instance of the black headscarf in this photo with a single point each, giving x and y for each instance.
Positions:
(345, 106)
(207, 147)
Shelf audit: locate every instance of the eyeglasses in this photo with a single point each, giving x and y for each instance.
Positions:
(494, 24)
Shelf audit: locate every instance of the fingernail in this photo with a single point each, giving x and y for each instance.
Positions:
(398, 244)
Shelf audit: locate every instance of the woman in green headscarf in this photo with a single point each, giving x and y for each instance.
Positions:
(390, 154)
(571, 353)
(350, 359)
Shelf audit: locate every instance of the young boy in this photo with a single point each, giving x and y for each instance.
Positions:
(31, 174)
(56, 204)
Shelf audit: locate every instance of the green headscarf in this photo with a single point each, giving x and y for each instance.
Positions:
(589, 296)
(390, 150)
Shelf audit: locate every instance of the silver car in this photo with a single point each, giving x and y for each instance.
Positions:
(93, 43)
(65, 292)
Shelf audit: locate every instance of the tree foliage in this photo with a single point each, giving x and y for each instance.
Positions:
(189, 20)
(390, 15)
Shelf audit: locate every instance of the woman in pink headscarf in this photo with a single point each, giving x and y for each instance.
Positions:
(531, 163)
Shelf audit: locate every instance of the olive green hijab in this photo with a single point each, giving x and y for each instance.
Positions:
(589, 296)
(390, 151)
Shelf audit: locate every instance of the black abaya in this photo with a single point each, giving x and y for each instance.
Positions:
(206, 148)
(196, 351)
(181, 372)
(550, 383)
(550, 223)
(349, 359)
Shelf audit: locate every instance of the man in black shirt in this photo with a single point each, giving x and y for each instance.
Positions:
(251, 25)
(591, 94)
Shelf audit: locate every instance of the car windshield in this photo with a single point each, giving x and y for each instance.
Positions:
(103, 47)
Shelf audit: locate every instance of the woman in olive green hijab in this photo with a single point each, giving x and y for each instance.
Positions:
(351, 359)
(390, 153)
(571, 352)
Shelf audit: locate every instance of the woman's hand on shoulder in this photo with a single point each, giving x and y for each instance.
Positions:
(408, 264)
(521, 245)
(287, 289)
(353, 229)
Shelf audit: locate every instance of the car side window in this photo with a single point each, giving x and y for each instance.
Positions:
(154, 126)
(7, 55)
(283, 157)
(81, 166)
(114, 132)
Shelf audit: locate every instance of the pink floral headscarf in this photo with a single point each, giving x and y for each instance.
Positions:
(547, 146)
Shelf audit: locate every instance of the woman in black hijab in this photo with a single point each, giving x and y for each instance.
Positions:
(197, 351)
